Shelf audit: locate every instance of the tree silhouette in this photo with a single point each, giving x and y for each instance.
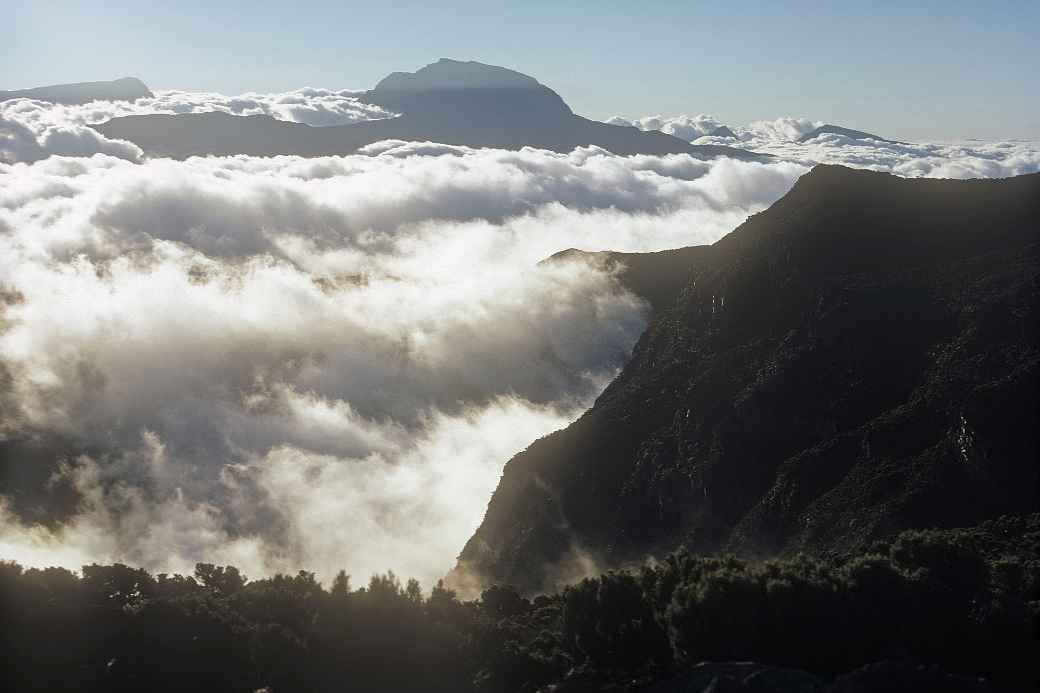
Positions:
(961, 601)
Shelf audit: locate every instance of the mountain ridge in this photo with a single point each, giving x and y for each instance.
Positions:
(447, 73)
(860, 358)
(449, 102)
(829, 129)
(122, 89)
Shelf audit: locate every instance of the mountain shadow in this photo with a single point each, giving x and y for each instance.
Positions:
(450, 102)
(125, 89)
(859, 359)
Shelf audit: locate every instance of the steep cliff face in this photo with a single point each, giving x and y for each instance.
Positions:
(858, 359)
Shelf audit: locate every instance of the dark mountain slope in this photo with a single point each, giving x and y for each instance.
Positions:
(845, 132)
(860, 358)
(451, 102)
(125, 89)
(657, 277)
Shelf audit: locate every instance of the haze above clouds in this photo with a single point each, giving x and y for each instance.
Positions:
(324, 363)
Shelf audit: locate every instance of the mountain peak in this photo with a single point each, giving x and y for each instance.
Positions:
(131, 82)
(829, 129)
(448, 73)
(452, 90)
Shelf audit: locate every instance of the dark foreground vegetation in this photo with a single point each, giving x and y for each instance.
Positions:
(957, 604)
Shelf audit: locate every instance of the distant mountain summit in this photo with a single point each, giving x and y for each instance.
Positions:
(125, 89)
(861, 358)
(455, 89)
(844, 132)
(447, 74)
(723, 131)
(449, 101)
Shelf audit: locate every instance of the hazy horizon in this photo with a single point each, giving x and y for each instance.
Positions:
(932, 72)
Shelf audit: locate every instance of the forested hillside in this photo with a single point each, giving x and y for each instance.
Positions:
(949, 610)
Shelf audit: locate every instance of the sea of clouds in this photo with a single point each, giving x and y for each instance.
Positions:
(322, 363)
(782, 138)
(286, 363)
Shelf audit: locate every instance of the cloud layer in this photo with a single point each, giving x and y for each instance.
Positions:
(31, 130)
(686, 127)
(780, 137)
(324, 363)
(317, 363)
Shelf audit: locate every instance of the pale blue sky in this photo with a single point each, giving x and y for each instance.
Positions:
(903, 70)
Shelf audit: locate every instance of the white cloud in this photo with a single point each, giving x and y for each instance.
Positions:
(310, 105)
(25, 140)
(784, 129)
(407, 507)
(286, 362)
(31, 130)
(686, 127)
(781, 138)
(970, 159)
